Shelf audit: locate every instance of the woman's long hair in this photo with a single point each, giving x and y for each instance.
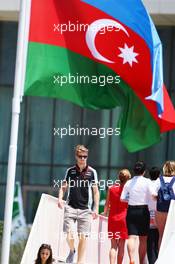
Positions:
(49, 260)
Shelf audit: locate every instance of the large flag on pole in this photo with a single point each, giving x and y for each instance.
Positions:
(99, 55)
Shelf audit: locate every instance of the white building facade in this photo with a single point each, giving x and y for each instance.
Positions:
(163, 11)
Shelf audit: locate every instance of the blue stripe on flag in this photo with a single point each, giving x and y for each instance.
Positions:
(133, 14)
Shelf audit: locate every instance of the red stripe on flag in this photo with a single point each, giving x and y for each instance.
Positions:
(45, 14)
(168, 117)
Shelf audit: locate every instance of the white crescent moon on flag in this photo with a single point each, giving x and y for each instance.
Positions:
(93, 30)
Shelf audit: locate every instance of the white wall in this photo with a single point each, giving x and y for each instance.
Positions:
(9, 5)
(160, 6)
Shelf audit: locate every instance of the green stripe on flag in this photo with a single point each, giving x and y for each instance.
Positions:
(138, 128)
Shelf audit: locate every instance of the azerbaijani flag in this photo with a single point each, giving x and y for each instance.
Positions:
(76, 51)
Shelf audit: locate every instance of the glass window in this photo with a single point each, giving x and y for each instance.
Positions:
(172, 62)
(102, 173)
(155, 155)
(171, 137)
(114, 174)
(37, 175)
(33, 199)
(5, 118)
(21, 132)
(119, 155)
(98, 122)
(3, 173)
(8, 37)
(39, 130)
(67, 119)
(19, 173)
(2, 201)
(58, 175)
(171, 154)
(165, 36)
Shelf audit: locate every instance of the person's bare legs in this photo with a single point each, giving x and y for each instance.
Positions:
(160, 221)
(121, 249)
(81, 248)
(142, 248)
(113, 251)
(70, 241)
(131, 247)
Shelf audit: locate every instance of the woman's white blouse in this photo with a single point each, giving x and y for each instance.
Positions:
(137, 191)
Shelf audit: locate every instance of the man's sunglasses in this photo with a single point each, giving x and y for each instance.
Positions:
(82, 156)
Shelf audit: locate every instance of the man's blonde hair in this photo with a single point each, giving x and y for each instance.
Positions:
(169, 168)
(80, 148)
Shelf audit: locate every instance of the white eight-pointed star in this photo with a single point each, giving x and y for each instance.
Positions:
(128, 55)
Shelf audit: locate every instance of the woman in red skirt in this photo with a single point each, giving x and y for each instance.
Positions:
(117, 230)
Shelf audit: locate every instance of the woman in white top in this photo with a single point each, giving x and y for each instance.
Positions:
(162, 208)
(137, 191)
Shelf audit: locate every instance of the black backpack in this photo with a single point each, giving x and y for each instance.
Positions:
(165, 194)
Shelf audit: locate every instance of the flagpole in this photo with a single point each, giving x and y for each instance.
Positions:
(25, 45)
(19, 71)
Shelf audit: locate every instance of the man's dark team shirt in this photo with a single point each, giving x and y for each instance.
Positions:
(80, 187)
